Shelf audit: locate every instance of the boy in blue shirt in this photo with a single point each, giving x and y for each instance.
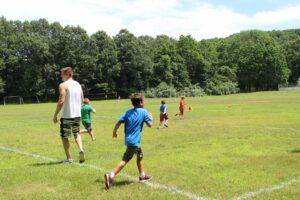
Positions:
(134, 120)
(163, 114)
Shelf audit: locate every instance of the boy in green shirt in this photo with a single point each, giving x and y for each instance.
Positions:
(86, 110)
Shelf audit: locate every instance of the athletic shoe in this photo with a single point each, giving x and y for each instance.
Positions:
(68, 161)
(166, 125)
(93, 139)
(81, 157)
(108, 181)
(145, 178)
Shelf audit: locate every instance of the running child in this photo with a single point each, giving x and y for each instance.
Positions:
(163, 114)
(181, 107)
(86, 110)
(133, 120)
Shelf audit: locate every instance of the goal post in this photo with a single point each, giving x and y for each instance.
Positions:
(20, 99)
(13, 100)
(102, 96)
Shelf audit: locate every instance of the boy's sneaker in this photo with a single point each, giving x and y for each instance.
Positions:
(81, 157)
(166, 125)
(108, 181)
(145, 178)
(93, 139)
(68, 161)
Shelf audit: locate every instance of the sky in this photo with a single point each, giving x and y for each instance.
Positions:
(202, 19)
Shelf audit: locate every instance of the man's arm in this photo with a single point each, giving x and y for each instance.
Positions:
(61, 100)
(82, 97)
(118, 124)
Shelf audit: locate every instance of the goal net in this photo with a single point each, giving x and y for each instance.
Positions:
(102, 96)
(13, 100)
(20, 99)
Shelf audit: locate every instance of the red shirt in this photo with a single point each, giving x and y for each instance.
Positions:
(181, 104)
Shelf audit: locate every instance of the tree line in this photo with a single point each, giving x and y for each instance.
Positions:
(32, 53)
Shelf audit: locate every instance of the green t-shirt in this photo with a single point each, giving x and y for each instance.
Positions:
(86, 110)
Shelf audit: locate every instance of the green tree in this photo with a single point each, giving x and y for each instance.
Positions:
(108, 68)
(196, 65)
(260, 60)
(169, 66)
(136, 66)
(293, 59)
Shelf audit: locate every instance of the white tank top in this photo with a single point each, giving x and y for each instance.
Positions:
(72, 104)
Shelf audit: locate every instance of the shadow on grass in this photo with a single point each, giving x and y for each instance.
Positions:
(115, 183)
(47, 163)
(295, 151)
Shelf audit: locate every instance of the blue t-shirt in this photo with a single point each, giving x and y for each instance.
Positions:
(163, 107)
(134, 120)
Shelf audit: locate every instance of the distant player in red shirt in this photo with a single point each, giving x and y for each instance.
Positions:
(181, 107)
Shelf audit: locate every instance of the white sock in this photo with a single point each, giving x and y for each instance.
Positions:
(112, 175)
(142, 174)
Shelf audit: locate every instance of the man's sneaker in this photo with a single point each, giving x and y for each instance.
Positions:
(93, 139)
(108, 181)
(166, 125)
(68, 161)
(81, 157)
(145, 178)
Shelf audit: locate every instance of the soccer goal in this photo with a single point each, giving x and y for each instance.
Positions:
(102, 96)
(13, 100)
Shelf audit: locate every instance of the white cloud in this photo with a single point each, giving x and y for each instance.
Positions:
(146, 17)
(287, 14)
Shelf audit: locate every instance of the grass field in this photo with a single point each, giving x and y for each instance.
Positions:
(225, 148)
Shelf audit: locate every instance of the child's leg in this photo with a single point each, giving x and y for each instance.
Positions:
(110, 176)
(92, 135)
(181, 114)
(166, 122)
(118, 168)
(126, 158)
(83, 131)
(160, 121)
(140, 164)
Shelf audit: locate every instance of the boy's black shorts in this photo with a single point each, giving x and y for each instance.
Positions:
(130, 151)
(88, 127)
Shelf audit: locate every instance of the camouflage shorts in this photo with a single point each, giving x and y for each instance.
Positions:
(68, 126)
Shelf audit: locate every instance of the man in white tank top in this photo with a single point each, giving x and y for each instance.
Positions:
(70, 100)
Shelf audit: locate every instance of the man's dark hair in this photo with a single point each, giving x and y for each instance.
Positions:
(136, 99)
(163, 102)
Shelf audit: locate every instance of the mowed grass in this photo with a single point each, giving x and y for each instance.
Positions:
(225, 147)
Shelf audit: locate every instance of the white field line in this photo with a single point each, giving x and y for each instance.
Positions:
(266, 127)
(157, 186)
(268, 190)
